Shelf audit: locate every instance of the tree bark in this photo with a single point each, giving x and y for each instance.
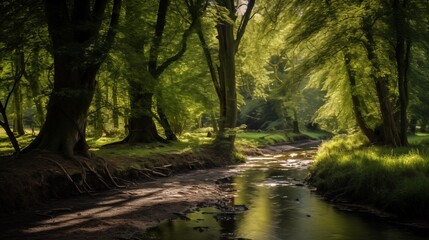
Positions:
(78, 54)
(142, 128)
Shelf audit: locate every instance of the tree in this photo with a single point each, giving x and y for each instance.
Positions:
(224, 75)
(4, 123)
(360, 38)
(145, 70)
(19, 23)
(79, 46)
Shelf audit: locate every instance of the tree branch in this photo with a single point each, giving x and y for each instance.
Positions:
(157, 39)
(243, 23)
(179, 54)
(114, 21)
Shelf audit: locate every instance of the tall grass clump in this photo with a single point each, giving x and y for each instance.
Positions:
(391, 179)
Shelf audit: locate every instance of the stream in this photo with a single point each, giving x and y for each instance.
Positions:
(270, 201)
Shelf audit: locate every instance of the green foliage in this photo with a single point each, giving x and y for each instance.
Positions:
(394, 180)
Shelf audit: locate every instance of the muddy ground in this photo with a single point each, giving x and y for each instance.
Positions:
(116, 214)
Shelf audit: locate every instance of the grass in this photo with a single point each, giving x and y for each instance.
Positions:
(187, 142)
(419, 138)
(394, 180)
(270, 138)
(261, 138)
(7, 148)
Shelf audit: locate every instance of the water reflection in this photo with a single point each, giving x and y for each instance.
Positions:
(280, 207)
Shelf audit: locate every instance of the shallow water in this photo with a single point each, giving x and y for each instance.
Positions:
(280, 207)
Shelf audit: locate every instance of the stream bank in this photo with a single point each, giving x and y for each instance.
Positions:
(268, 197)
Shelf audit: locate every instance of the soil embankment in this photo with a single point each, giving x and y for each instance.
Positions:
(116, 214)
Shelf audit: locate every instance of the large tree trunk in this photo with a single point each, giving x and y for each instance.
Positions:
(64, 128)
(78, 54)
(142, 128)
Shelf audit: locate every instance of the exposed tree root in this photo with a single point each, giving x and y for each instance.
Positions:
(99, 177)
(106, 169)
(147, 175)
(154, 172)
(65, 173)
(82, 185)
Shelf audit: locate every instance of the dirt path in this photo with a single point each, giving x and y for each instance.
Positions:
(116, 214)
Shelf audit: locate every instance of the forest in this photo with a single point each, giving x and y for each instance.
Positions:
(99, 96)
